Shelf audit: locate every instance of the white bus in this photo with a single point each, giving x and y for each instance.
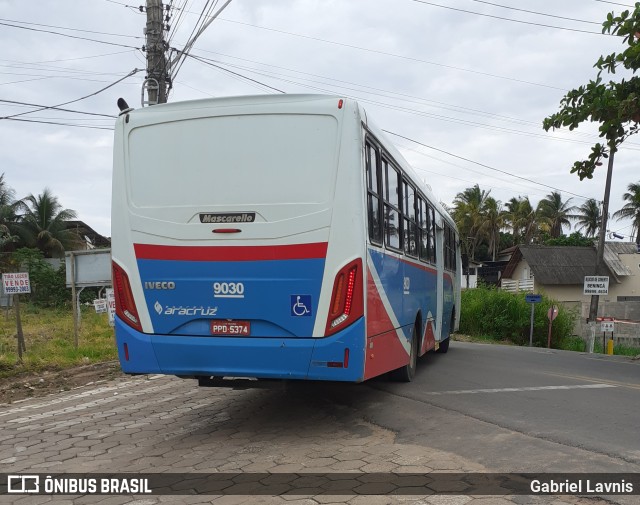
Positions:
(275, 237)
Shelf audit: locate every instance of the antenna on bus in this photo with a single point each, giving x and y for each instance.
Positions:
(123, 106)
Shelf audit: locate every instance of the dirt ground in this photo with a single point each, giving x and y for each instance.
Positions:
(48, 382)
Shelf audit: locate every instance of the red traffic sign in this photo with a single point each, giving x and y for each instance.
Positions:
(552, 313)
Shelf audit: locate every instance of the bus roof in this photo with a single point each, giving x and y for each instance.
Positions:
(298, 99)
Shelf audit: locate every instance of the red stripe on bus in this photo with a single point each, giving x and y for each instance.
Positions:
(231, 253)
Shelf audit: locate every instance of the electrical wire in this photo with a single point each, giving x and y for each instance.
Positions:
(67, 35)
(70, 29)
(134, 71)
(484, 165)
(202, 60)
(384, 53)
(615, 3)
(13, 102)
(399, 108)
(537, 13)
(61, 124)
(506, 19)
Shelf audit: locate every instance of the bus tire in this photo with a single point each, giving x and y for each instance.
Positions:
(408, 372)
(444, 346)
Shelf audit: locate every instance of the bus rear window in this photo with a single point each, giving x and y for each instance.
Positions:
(230, 160)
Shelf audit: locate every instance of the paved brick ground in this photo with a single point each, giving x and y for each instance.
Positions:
(159, 424)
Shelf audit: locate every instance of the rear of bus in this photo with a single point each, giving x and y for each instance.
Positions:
(227, 261)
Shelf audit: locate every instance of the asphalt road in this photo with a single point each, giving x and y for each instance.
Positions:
(479, 408)
(573, 400)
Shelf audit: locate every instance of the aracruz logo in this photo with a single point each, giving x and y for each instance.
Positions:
(227, 218)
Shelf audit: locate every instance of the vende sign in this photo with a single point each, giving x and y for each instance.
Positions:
(16, 283)
(596, 285)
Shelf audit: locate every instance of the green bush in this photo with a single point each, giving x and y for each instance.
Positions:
(48, 285)
(507, 316)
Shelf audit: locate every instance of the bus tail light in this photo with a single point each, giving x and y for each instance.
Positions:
(125, 304)
(347, 300)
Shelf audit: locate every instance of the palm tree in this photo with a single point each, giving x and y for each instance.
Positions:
(467, 213)
(588, 217)
(494, 221)
(523, 219)
(44, 224)
(631, 209)
(555, 213)
(9, 208)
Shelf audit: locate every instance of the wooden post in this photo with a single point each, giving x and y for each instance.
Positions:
(74, 300)
(20, 336)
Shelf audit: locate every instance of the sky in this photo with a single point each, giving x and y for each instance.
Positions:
(450, 74)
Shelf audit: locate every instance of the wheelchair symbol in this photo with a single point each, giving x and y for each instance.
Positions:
(300, 305)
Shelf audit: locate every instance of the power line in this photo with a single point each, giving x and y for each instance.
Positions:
(408, 58)
(70, 29)
(483, 165)
(67, 35)
(202, 60)
(134, 71)
(56, 108)
(61, 124)
(537, 13)
(615, 3)
(399, 108)
(506, 19)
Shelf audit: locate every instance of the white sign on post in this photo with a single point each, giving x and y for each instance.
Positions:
(100, 305)
(111, 305)
(596, 285)
(607, 326)
(16, 283)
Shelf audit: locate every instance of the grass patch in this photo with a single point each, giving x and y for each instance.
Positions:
(49, 340)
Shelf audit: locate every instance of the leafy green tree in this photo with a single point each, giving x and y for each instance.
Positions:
(614, 105)
(555, 213)
(631, 209)
(576, 239)
(588, 217)
(44, 224)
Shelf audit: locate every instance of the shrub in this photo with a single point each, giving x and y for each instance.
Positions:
(489, 311)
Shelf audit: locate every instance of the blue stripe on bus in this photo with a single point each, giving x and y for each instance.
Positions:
(268, 288)
(422, 288)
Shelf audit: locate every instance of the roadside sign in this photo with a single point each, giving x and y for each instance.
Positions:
(607, 326)
(111, 305)
(552, 313)
(596, 285)
(16, 283)
(533, 298)
(100, 304)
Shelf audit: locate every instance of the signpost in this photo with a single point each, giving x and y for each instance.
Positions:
(607, 325)
(532, 299)
(596, 285)
(552, 313)
(15, 284)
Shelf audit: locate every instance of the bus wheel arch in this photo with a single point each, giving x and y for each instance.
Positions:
(407, 372)
(444, 344)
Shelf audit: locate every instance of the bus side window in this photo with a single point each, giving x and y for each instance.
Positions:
(424, 232)
(409, 215)
(391, 206)
(373, 193)
(432, 235)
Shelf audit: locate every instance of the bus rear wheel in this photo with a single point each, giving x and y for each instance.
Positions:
(408, 372)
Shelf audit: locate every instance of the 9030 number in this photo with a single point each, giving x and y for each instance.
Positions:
(228, 290)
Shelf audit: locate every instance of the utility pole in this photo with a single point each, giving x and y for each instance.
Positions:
(593, 309)
(156, 58)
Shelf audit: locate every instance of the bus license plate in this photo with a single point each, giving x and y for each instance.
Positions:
(232, 328)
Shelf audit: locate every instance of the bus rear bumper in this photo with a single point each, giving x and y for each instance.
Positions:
(339, 357)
